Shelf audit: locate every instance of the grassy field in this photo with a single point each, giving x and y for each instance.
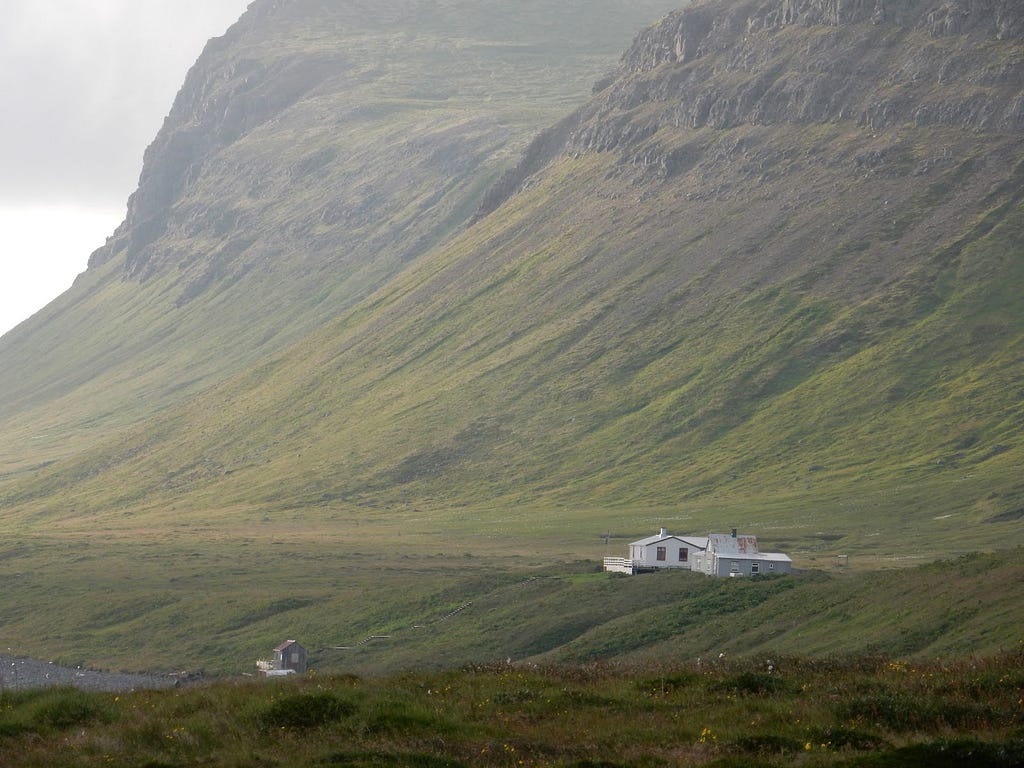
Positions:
(202, 598)
(868, 712)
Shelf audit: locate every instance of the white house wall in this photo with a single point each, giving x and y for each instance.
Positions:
(648, 555)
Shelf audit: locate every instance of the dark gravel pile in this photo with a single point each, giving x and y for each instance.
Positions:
(18, 673)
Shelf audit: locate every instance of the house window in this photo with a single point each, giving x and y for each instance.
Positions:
(661, 553)
(684, 553)
(735, 567)
(771, 566)
(755, 568)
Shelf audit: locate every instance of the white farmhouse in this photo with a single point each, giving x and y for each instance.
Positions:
(720, 554)
(738, 555)
(659, 551)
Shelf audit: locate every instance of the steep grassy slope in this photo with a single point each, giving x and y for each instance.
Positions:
(769, 276)
(313, 151)
(809, 310)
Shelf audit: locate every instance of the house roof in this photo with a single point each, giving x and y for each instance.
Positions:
(743, 547)
(285, 645)
(698, 542)
(727, 544)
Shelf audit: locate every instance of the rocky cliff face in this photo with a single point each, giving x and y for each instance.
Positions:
(283, 52)
(696, 31)
(224, 97)
(873, 63)
(691, 33)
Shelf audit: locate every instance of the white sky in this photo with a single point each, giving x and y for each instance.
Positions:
(84, 88)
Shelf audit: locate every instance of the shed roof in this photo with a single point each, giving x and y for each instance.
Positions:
(285, 645)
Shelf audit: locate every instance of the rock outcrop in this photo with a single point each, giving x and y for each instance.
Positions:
(707, 27)
(875, 63)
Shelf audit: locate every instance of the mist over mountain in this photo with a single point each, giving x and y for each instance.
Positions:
(439, 265)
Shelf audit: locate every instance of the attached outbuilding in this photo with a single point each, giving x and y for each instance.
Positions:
(738, 555)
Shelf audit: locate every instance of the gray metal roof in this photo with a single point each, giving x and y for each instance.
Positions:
(727, 544)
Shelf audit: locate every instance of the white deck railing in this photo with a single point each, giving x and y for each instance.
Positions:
(619, 565)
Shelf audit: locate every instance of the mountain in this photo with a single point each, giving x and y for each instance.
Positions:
(314, 150)
(393, 294)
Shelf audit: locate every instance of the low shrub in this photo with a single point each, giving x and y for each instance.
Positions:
(405, 718)
(754, 683)
(904, 711)
(390, 760)
(667, 684)
(50, 709)
(764, 744)
(948, 754)
(841, 737)
(306, 710)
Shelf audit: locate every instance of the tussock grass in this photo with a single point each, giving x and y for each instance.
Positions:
(501, 715)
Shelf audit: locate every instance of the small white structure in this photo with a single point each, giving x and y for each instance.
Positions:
(738, 555)
(659, 551)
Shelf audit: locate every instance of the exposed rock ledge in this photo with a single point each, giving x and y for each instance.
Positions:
(770, 62)
(687, 34)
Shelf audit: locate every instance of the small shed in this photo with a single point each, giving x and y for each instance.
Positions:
(290, 655)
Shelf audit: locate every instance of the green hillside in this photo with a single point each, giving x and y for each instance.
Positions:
(313, 151)
(363, 352)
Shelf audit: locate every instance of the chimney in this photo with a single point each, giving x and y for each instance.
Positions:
(664, 533)
(734, 533)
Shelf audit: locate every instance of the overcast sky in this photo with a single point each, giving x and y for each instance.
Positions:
(84, 87)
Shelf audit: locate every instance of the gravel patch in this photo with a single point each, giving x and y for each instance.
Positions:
(18, 673)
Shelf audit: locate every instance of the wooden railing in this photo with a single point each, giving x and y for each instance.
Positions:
(619, 565)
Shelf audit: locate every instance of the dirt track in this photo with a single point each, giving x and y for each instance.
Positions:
(19, 673)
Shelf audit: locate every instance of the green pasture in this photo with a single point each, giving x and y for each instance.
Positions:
(198, 598)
